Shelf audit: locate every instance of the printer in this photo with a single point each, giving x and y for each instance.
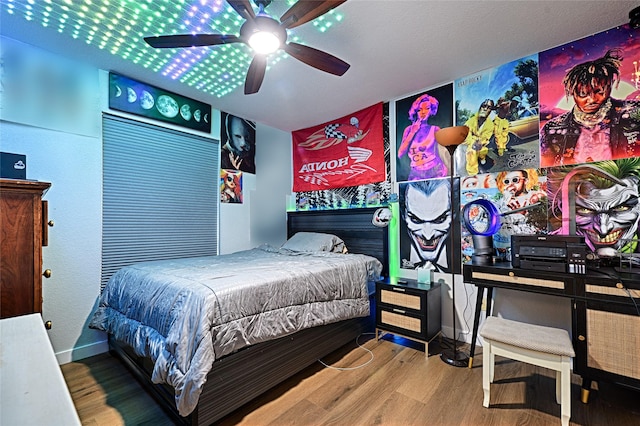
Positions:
(557, 253)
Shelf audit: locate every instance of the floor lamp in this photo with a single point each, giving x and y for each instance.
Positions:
(450, 138)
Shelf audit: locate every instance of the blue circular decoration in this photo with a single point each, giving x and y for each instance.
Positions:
(485, 224)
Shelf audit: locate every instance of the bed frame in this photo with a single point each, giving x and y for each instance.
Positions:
(240, 377)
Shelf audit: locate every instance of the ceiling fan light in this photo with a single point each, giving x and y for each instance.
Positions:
(264, 42)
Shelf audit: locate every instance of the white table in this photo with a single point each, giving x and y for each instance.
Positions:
(32, 388)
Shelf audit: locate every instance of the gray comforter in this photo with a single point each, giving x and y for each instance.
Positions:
(186, 313)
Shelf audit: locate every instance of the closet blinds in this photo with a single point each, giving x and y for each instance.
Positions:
(160, 194)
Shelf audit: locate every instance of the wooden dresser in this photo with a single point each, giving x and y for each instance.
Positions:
(23, 232)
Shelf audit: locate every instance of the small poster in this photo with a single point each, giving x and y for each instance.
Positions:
(230, 186)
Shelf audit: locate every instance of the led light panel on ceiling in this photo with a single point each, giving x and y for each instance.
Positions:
(119, 26)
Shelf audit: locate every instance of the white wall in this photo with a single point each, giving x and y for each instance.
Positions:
(73, 164)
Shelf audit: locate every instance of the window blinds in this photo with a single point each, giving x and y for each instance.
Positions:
(160, 194)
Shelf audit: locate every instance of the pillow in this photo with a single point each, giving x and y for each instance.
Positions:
(315, 241)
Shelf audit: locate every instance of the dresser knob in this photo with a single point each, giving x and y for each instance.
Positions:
(511, 274)
(48, 325)
(582, 338)
(619, 285)
(47, 273)
(51, 222)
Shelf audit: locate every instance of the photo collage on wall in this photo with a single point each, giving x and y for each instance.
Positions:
(552, 147)
(563, 121)
(237, 155)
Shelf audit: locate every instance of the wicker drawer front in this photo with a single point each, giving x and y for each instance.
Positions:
(401, 321)
(402, 299)
(613, 342)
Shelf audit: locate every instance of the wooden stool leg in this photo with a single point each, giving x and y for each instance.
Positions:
(487, 371)
(565, 407)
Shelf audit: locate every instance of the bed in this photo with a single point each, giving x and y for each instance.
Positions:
(246, 358)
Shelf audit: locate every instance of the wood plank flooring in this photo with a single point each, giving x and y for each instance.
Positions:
(400, 386)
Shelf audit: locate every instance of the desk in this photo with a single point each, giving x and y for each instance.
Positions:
(32, 388)
(605, 315)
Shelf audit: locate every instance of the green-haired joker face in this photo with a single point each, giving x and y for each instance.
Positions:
(608, 216)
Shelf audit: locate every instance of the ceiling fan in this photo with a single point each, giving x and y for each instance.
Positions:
(265, 35)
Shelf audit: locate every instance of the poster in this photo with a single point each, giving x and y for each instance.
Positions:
(500, 107)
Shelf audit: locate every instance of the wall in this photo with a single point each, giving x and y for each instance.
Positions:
(73, 164)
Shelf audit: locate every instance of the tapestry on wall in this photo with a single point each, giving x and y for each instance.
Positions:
(418, 118)
(519, 196)
(145, 100)
(238, 143)
(230, 186)
(599, 201)
(500, 107)
(590, 99)
(348, 151)
(426, 222)
(369, 195)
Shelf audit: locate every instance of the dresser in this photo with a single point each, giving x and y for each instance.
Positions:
(23, 233)
(409, 309)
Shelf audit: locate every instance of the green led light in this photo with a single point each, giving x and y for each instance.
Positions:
(118, 26)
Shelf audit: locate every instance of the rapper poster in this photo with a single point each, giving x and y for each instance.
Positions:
(599, 201)
(520, 200)
(500, 107)
(238, 143)
(590, 102)
(426, 225)
(418, 118)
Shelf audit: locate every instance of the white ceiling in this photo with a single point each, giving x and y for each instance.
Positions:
(395, 47)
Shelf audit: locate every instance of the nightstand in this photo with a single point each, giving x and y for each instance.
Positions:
(409, 309)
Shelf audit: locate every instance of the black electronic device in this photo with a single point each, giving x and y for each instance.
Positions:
(558, 253)
(13, 166)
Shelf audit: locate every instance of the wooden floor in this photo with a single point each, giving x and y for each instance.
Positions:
(398, 387)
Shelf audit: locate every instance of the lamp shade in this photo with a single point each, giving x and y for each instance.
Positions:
(449, 136)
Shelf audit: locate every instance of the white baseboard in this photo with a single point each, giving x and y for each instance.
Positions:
(82, 352)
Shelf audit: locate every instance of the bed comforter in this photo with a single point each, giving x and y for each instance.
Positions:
(185, 313)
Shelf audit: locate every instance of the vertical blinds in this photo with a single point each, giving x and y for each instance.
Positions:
(160, 194)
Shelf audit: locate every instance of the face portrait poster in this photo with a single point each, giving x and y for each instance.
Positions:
(230, 186)
(238, 142)
(590, 102)
(417, 119)
(425, 222)
(599, 201)
(500, 107)
(520, 197)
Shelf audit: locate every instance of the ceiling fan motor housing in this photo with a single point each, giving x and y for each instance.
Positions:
(263, 23)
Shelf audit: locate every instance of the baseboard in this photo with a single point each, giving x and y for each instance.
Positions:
(82, 352)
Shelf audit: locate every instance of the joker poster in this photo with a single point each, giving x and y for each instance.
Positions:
(426, 224)
(348, 151)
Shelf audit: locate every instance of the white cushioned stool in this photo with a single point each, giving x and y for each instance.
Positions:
(546, 347)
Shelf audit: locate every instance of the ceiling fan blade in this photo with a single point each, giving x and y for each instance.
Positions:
(255, 74)
(317, 58)
(307, 10)
(243, 7)
(190, 40)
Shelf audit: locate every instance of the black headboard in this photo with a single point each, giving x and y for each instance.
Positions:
(352, 225)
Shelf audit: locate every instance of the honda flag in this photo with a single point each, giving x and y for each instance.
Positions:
(345, 152)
